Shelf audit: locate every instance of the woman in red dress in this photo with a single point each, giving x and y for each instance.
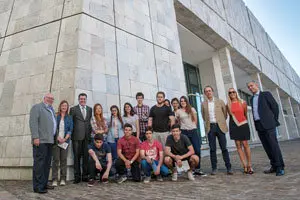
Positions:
(239, 129)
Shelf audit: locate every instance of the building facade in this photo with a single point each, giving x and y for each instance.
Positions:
(111, 49)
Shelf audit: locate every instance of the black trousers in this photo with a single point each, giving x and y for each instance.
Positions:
(80, 149)
(215, 132)
(41, 165)
(93, 170)
(269, 141)
(135, 169)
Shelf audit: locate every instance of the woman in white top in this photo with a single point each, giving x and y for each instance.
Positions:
(187, 119)
(131, 118)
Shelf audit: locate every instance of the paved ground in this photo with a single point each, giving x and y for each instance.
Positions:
(221, 186)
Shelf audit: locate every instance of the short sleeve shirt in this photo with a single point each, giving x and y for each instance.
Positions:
(152, 151)
(180, 147)
(185, 119)
(128, 146)
(160, 116)
(131, 120)
(102, 152)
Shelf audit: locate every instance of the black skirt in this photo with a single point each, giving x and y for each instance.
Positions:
(238, 132)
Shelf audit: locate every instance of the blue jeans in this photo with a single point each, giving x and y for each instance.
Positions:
(113, 147)
(147, 168)
(196, 142)
(215, 132)
(41, 165)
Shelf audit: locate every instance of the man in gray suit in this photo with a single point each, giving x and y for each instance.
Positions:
(81, 115)
(42, 123)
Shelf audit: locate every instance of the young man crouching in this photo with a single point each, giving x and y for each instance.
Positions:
(100, 160)
(152, 156)
(179, 149)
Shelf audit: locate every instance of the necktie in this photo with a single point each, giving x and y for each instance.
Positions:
(83, 111)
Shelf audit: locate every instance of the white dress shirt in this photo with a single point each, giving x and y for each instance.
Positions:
(211, 111)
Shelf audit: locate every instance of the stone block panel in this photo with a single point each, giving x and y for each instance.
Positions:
(134, 17)
(28, 14)
(102, 10)
(164, 25)
(217, 6)
(268, 69)
(283, 82)
(5, 10)
(170, 71)
(244, 48)
(276, 54)
(260, 36)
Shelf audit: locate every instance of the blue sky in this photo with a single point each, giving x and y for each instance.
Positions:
(281, 20)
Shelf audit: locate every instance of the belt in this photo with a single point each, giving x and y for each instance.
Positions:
(213, 123)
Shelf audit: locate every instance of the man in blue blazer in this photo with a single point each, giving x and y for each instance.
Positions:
(265, 113)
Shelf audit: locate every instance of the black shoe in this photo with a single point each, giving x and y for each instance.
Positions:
(40, 191)
(199, 172)
(270, 171)
(76, 181)
(49, 187)
(85, 179)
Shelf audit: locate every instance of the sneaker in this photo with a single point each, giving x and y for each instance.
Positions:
(147, 179)
(159, 178)
(91, 183)
(54, 183)
(214, 172)
(229, 172)
(62, 182)
(190, 176)
(122, 179)
(200, 173)
(174, 176)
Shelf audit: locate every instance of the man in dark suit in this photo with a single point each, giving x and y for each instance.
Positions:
(81, 115)
(265, 113)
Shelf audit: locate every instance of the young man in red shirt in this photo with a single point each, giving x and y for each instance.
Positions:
(152, 156)
(128, 151)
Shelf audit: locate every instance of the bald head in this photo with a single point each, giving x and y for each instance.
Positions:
(48, 99)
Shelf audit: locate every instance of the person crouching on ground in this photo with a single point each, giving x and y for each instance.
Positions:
(100, 160)
(178, 149)
(152, 156)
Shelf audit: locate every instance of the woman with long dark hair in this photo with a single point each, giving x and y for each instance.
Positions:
(187, 119)
(239, 129)
(115, 130)
(131, 118)
(98, 122)
(60, 147)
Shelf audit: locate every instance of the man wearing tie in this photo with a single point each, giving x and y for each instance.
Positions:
(265, 113)
(81, 115)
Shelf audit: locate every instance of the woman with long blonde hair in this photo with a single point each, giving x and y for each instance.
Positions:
(98, 122)
(239, 129)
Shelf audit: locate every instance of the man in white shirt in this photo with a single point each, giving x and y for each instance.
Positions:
(214, 114)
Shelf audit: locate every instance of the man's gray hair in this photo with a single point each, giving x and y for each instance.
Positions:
(252, 81)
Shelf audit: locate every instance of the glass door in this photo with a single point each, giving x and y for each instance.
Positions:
(195, 95)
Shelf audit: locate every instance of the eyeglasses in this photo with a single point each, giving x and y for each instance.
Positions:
(232, 92)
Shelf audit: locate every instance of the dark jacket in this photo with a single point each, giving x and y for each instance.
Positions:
(267, 109)
(82, 127)
(68, 121)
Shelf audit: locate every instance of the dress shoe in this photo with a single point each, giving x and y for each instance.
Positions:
(270, 171)
(280, 173)
(40, 191)
(85, 179)
(49, 187)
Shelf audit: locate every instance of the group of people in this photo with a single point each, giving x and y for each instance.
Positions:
(156, 141)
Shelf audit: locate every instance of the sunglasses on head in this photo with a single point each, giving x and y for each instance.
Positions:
(232, 92)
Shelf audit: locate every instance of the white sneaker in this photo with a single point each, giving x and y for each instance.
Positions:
(147, 179)
(174, 176)
(62, 182)
(190, 176)
(54, 183)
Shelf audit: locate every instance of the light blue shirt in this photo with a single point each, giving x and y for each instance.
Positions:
(255, 106)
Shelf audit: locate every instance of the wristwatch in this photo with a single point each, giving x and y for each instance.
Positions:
(131, 162)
